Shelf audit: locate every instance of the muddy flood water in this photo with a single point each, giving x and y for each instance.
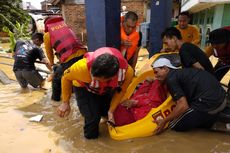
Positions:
(58, 135)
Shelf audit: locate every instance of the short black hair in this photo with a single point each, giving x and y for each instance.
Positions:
(186, 13)
(105, 65)
(170, 32)
(131, 15)
(38, 36)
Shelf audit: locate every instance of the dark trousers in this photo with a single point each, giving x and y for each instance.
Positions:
(193, 119)
(92, 107)
(58, 72)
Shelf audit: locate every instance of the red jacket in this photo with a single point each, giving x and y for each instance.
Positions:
(62, 38)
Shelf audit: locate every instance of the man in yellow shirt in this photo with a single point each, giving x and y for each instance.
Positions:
(100, 80)
(68, 48)
(188, 32)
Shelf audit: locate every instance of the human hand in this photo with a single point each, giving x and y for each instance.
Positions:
(129, 103)
(63, 110)
(160, 125)
(126, 43)
(111, 117)
(50, 78)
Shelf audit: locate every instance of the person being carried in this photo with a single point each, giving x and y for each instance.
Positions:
(190, 54)
(220, 48)
(100, 80)
(150, 94)
(25, 54)
(68, 49)
(130, 38)
(198, 95)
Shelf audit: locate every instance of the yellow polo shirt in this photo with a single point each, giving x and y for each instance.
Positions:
(79, 71)
(190, 34)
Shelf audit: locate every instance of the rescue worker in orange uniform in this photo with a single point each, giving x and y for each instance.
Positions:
(100, 80)
(130, 38)
(68, 48)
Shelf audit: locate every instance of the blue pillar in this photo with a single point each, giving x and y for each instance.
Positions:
(161, 13)
(103, 23)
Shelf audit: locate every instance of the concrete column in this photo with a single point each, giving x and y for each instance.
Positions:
(161, 14)
(103, 23)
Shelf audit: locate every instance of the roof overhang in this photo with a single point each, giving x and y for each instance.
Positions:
(54, 2)
(198, 5)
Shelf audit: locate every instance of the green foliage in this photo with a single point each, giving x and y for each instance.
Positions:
(14, 20)
(20, 32)
(12, 11)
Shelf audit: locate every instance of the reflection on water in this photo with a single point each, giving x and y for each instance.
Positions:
(58, 135)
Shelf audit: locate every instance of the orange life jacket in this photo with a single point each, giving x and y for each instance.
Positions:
(134, 37)
(63, 39)
(101, 88)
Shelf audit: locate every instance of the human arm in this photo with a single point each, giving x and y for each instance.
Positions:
(198, 66)
(79, 68)
(208, 50)
(180, 108)
(129, 103)
(48, 48)
(47, 63)
(189, 55)
(196, 36)
(126, 43)
(136, 53)
(135, 57)
(118, 95)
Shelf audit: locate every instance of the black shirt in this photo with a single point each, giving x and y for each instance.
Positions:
(26, 54)
(190, 54)
(201, 89)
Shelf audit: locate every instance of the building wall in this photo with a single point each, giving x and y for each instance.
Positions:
(226, 16)
(136, 6)
(218, 15)
(74, 15)
(211, 19)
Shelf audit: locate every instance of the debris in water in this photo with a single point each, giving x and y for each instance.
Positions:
(36, 118)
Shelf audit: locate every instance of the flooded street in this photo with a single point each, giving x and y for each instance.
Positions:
(58, 135)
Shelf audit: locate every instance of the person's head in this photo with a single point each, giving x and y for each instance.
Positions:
(161, 68)
(130, 22)
(170, 38)
(219, 38)
(105, 67)
(37, 38)
(183, 20)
